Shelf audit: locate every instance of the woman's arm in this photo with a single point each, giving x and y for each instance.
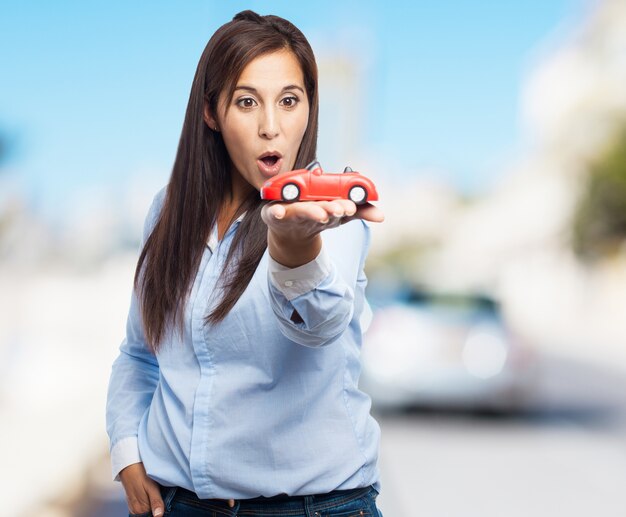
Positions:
(315, 295)
(134, 377)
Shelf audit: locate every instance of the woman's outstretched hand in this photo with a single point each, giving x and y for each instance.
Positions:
(142, 493)
(293, 228)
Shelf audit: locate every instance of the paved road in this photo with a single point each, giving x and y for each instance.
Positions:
(565, 457)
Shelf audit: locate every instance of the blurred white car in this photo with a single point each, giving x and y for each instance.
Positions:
(445, 351)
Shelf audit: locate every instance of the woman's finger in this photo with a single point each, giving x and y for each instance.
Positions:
(348, 206)
(332, 208)
(329, 213)
(156, 502)
(278, 211)
(272, 212)
(367, 212)
(139, 503)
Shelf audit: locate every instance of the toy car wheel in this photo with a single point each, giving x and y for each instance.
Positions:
(357, 194)
(290, 192)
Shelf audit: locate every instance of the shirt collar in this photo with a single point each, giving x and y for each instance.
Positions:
(212, 243)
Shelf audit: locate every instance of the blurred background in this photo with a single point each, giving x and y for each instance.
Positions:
(496, 133)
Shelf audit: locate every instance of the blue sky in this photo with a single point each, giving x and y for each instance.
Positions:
(92, 92)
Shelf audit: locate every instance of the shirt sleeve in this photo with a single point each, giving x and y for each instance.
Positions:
(134, 377)
(322, 292)
(293, 282)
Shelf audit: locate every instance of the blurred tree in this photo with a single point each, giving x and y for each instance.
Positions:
(599, 227)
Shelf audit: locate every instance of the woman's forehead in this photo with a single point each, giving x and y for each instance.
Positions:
(272, 73)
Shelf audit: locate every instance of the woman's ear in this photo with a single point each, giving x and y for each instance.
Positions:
(209, 119)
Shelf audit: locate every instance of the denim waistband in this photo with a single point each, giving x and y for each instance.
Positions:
(286, 504)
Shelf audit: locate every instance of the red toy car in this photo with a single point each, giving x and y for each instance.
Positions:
(313, 184)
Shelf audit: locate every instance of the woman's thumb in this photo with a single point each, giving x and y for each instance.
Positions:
(156, 503)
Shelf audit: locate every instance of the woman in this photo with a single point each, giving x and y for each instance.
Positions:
(235, 391)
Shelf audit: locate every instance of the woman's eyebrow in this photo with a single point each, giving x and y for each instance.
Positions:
(254, 90)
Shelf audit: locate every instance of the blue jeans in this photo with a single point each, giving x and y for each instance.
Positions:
(359, 502)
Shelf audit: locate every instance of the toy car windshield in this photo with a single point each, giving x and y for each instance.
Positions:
(313, 165)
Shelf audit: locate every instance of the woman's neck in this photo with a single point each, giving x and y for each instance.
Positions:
(232, 202)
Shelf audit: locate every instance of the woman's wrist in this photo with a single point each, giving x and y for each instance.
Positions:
(293, 250)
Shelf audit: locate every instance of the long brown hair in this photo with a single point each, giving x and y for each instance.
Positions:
(201, 179)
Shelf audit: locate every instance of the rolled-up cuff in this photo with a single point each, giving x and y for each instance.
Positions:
(294, 282)
(125, 452)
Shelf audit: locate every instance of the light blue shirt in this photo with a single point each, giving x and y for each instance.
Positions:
(256, 405)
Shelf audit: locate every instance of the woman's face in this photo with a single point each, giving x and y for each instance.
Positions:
(264, 123)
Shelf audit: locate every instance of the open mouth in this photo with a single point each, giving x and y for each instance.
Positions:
(269, 163)
(270, 160)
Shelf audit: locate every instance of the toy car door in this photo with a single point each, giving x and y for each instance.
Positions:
(323, 185)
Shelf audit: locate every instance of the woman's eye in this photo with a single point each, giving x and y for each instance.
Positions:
(290, 102)
(246, 102)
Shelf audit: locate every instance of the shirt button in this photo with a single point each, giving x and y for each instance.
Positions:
(288, 283)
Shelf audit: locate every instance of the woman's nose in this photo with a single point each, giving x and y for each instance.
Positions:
(268, 125)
